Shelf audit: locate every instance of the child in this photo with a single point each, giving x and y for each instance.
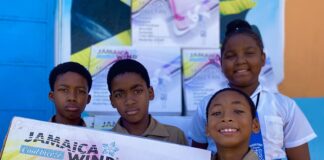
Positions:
(130, 92)
(230, 121)
(280, 118)
(70, 84)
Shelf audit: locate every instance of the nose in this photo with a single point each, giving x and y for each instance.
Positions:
(227, 117)
(72, 96)
(129, 99)
(241, 59)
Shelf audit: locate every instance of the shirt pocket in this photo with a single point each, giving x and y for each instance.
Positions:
(274, 130)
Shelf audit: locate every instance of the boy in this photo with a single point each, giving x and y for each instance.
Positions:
(230, 122)
(130, 92)
(70, 84)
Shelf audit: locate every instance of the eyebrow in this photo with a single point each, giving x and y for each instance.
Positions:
(67, 86)
(250, 47)
(131, 88)
(236, 102)
(233, 102)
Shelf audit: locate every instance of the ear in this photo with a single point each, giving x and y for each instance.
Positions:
(112, 101)
(51, 96)
(255, 125)
(263, 58)
(151, 92)
(89, 99)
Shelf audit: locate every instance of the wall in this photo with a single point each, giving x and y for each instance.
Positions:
(27, 55)
(304, 58)
(304, 63)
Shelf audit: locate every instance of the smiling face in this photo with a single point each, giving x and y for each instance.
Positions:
(70, 96)
(230, 120)
(242, 60)
(131, 95)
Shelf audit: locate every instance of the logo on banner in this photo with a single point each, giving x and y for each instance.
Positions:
(75, 150)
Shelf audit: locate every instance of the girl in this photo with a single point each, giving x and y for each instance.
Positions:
(280, 118)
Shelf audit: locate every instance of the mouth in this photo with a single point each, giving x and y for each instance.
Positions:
(241, 71)
(72, 108)
(132, 112)
(227, 131)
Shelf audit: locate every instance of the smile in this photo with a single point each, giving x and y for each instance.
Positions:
(241, 71)
(228, 130)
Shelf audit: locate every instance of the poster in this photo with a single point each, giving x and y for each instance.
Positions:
(84, 25)
(180, 23)
(202, 75)
(37, 140)
(163, 65)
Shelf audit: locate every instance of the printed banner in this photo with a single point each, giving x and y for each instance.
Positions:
(163, 65)
(37, 140)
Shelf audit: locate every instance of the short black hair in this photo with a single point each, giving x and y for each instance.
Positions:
(252, 105)
(127, 66)
(239, 26)
(69, 67)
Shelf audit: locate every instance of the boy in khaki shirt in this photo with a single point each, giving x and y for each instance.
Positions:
(70, 84)
(130, 93)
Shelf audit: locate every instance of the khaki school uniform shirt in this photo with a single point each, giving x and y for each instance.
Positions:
(81, 124)
(158, 131)
(251, 155)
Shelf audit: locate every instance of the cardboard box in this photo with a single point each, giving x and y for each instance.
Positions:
(35, 140)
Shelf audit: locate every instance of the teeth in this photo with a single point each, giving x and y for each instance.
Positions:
(228, 130)
(239, 71)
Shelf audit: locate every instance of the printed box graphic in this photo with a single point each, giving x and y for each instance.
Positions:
(38, 140)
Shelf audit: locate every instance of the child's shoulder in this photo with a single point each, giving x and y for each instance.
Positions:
(174, 133)
(277, 96)
(169, 128)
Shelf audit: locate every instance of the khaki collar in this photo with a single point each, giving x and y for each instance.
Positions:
(154, 129)
(81, 123)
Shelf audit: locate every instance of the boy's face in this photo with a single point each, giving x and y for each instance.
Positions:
(230, 120)
(131, 96)
(70, 95)
(242, 61)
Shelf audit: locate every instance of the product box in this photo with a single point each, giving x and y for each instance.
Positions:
(38, 140)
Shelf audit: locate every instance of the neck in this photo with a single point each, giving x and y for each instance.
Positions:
(231, 153)
(137, 128)
(246, 89)
(62, 120)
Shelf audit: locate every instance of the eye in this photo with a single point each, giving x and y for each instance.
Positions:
(238, 111)
(118, 95)
(82, 91)
(138, 91)
(250, 53)
(64, 90)
(216, 113)
(229, 55)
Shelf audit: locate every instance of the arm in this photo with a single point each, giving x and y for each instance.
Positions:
(298, 153)
(296, 139)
